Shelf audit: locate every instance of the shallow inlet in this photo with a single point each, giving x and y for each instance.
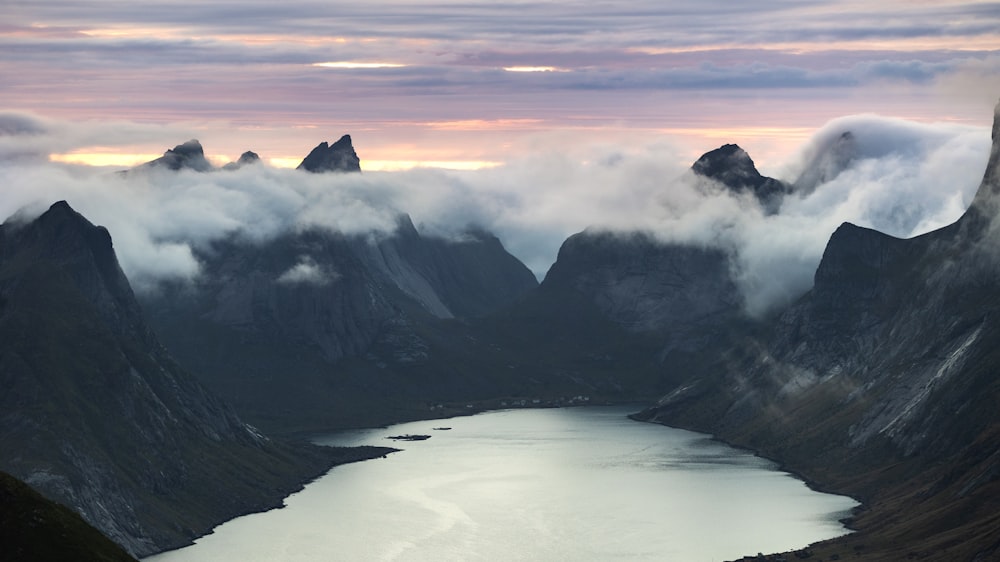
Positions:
(549, 484)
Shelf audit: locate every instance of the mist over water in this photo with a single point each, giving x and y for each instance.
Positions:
(550, 484)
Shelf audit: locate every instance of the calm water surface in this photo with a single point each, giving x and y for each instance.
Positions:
(550, 484)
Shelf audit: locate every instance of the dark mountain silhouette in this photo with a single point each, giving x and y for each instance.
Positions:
(337, 157)
(731, 166)
(97, 416)
(187, 156)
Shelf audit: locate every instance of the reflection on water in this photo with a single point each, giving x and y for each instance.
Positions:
(551, 484)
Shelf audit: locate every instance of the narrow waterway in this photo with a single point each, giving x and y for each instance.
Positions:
(549, 484)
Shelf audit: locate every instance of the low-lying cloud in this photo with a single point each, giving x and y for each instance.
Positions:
(899, 177)
(307, 271)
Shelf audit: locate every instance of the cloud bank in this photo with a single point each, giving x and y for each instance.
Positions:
(900, 177)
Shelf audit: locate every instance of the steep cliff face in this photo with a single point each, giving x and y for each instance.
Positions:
(881, 382)
(97, 416)
(318, 329)
(646, 285)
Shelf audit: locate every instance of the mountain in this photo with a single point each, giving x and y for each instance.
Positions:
(882, 383)
(644, 284)
(317, 329)
(247, 158)
(616, 306)
(97, 416)
(187, 156)
(338, 157)
(35, 528)
(731, 166)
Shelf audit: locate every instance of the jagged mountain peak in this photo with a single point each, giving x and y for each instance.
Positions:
(189, 155)
(338, 157)
(247, 158)
(85, 251)
(732, 166)
(191, 148)
(726, 162)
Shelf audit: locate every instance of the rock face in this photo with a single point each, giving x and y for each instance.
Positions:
(96, 415)
(731, 166)
(643, 284)
(319, 329)
(338, 157)
(882, 383)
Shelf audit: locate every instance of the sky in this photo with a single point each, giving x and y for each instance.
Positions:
(532, 120)
(466, 84)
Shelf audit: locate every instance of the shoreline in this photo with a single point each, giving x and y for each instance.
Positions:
(847, 522)
(335, 456)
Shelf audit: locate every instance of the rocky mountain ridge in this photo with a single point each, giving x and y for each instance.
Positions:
(190, 155)
(337, 157)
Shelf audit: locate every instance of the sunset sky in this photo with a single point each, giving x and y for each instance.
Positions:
(471, 83)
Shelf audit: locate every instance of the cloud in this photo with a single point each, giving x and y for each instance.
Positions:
(308, 272)
(26, 135)
(901, 177)
(974, 82)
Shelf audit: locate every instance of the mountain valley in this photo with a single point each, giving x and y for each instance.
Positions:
(132, 407)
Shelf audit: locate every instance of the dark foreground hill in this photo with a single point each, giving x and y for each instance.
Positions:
(95, 415)
(37, 529)
(883, 383)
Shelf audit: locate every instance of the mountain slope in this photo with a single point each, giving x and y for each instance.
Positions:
(318, 329)
(97, 416)
(37, 529)
(882, 383)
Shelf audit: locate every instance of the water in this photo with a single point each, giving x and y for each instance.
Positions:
(551, 484)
